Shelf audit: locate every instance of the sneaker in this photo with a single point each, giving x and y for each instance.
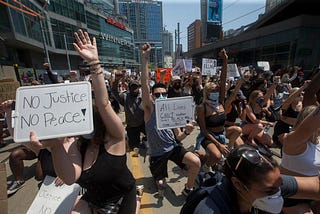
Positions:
(139, 189)
(186, 191)
(15, 186)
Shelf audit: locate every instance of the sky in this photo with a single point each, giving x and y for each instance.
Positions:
(187, 11)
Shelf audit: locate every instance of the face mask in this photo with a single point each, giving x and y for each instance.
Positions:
(213, 100)
(162, 97)
(271, 203)
(177, 86)
(260, 100)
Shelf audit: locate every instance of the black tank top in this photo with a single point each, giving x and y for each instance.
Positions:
(290, 113)
(108, 179)
(215, 120)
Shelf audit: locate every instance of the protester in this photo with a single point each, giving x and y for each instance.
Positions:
(211, 119)
(98, 164)
(290, 110)
(253, 183)
(175, 88)
(163, 145)
(301, 152)
(254, 124)
(132, 102)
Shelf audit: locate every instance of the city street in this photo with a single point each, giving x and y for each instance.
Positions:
(171, 203)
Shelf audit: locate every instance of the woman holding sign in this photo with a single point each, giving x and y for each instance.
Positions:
(97, 161)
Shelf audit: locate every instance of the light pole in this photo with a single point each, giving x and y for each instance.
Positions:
(65, 44)
(46, 52)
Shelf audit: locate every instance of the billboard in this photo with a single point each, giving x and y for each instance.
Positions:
(214, 13)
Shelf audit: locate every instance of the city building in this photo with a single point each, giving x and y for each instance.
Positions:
(167, 47)
(26, 37)
(211, 23)
(285, 36)
(194, 35)
(145, 18)
(272, 4)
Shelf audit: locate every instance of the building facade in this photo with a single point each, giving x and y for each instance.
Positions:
(194, 35)
(25, 45)
(145, 18)
(285, 36)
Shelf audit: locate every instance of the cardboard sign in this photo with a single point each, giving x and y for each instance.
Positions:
(167, 76)
(179, 69)
(53, 199)
(232, 70)
(7, 72)
(209, 67)
(174, 112)
(244, 69)
(56, 110)
(264, 65)
(8, 90)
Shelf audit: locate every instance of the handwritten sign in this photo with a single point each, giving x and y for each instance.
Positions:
(174, 112)
(209, 67)
(54, 199)
(179, 68)
(264, 65)
(8, 90)
(56, 110)
(232, 70)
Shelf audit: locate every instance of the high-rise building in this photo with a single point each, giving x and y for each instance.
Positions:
(145, 18)
(272, 4)
(167, 47)
(194, 35)
(25, 37)
(210, 22)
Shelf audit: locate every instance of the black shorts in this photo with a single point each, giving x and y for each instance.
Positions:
(159, 164)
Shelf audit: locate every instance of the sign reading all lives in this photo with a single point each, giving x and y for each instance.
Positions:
(55, 110)
(174, 112)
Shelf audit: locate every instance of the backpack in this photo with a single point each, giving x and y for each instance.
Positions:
(206, 182)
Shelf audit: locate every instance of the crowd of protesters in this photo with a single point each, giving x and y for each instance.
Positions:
(234, 116)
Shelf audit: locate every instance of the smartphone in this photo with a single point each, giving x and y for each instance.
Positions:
(13, 105)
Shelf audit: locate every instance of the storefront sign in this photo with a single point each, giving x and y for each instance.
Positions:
(115, 23)
(114, 39)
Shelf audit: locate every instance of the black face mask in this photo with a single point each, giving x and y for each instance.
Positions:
(176, 86)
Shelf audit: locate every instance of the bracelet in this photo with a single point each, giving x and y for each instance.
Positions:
(93, 62)
(96, 70)
(185, 132)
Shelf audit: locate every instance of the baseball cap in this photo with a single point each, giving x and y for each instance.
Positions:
(134, 83)
(174, 78)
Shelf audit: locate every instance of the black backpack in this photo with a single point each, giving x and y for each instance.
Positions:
(207, 182)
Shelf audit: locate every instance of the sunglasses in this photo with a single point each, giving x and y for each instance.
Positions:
(253, 157)
(164, 94)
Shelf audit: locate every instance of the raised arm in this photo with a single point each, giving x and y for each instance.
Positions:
(303, 131)
(290, 99)
(88, 51)
(310, 97)
(146, 100)
(223, 75)
(233, 95)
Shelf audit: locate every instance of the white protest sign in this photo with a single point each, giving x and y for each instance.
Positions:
(264, 64)
(174, 112)
(209, 67)
(55, 110)
(232, 70)
(179, 68)
(244, 69)
(52, 199)
(188, 65)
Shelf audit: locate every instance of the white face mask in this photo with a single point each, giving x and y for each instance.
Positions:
(271, 203)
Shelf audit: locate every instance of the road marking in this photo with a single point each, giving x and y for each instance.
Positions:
(137, 172)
